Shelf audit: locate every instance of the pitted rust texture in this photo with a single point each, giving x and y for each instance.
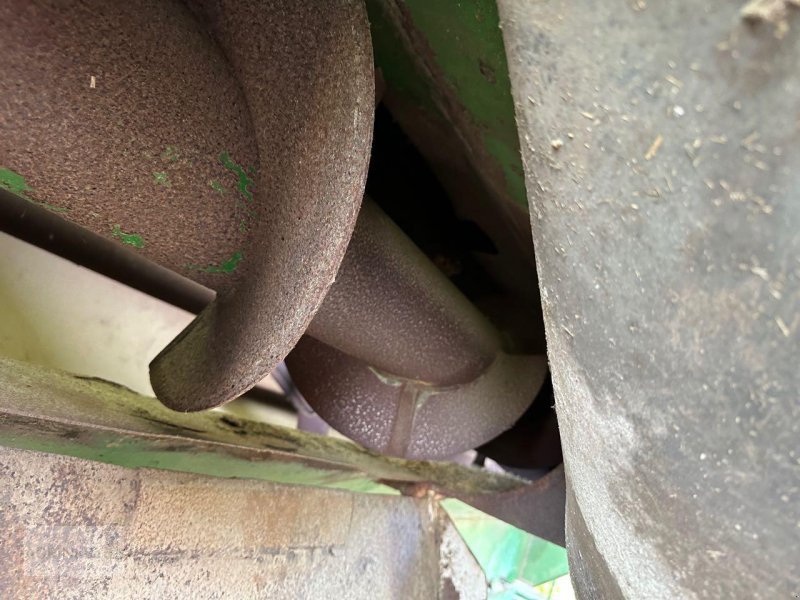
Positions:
(247, 158)
(305, 91)
(359, 400)
(391, 306)
(408, 418)
(119, 116)
(306, 72)
(402, 362)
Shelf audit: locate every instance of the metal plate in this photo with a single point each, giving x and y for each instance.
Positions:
(248, 158)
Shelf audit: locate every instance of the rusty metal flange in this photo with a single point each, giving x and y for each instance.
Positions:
(245, 150)
(309, 86)
(408, 418)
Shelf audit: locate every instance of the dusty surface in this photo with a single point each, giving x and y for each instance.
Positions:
(71, 528)
(666, 231)
(48, 409)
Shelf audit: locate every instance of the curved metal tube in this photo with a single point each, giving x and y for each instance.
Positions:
(299, 105)
(402, 417)
(400, 361)
(309, 86)
(391, 307)
(232, 159)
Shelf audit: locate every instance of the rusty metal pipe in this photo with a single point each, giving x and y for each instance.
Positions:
(162, 159)
(400, 361)
(391, 307)
(313, 159)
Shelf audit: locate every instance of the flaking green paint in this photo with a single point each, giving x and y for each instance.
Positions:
(245, 178)
(170, 153)
(15, 183)
(229, 266)
(217, 187)
(125, 428)
(132, 239)
(161, 178)
(132, 452)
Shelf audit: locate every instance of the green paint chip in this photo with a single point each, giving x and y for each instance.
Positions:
(170, 153)
(132, 239)
(161, 178)
(245, 178)
(217, 187)
(229, 266)
(14, 182)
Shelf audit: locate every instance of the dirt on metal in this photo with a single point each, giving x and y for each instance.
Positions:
(77, 528)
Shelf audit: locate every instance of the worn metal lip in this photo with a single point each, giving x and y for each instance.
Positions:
(50, 404)
(395, 416)
(49, 410)
(313, 160)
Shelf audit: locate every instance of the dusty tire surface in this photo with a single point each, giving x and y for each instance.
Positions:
(661, 144)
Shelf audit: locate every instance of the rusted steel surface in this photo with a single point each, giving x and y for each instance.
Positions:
(403, 417)
(426, 375)
(393, 308)
(247, 159)
(309, 86)
(402, 362)
(389, 303)
(117, 116)
(48, 230)
(77, 528)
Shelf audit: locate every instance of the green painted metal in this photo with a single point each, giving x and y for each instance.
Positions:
(16, 183)
(245, 178)
(131, 239)
(506, 554)
(396, 64)
(52, 411)
(465, 42)
(133, 452)
(228, 266)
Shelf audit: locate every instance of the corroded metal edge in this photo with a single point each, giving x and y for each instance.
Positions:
(313, 158)
(49, 410)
